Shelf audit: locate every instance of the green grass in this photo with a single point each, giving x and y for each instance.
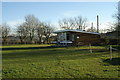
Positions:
(24, 45)
(67, 62)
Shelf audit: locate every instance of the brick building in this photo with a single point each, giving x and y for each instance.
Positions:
(77, 37)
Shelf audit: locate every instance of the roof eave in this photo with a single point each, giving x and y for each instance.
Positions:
(77, 31)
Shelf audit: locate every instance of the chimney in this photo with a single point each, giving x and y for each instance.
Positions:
(97, 24)
(92, 26)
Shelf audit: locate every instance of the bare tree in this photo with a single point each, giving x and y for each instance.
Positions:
(92, 29)
(111, 27)
(116, 25)
(73, 23)
(118, 21)
(81, 22)
(67, 23)
(33, 29)
(40, 31)
(48, 29)
(22, 32)
(118, 17)
(103, 30)
(31, 23)
(5, 32)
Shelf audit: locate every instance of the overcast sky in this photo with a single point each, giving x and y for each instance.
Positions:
(14, 12)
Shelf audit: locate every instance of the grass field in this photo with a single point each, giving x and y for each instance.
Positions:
(24, 46)
(65, 62)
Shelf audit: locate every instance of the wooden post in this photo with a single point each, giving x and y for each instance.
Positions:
(90, 48)
(110, 52)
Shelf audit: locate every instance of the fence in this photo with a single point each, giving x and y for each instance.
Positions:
(110, 48)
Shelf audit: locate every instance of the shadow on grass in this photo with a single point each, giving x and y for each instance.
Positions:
(47, 53)
(46, 47)
(114, 61)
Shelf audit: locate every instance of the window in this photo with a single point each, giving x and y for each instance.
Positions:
(72, 37)
(68, 36)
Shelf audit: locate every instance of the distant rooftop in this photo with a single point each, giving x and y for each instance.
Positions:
(59, 31)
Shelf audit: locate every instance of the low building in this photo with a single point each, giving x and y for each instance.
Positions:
(112, 35)
(112, 38)
(77, 37)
